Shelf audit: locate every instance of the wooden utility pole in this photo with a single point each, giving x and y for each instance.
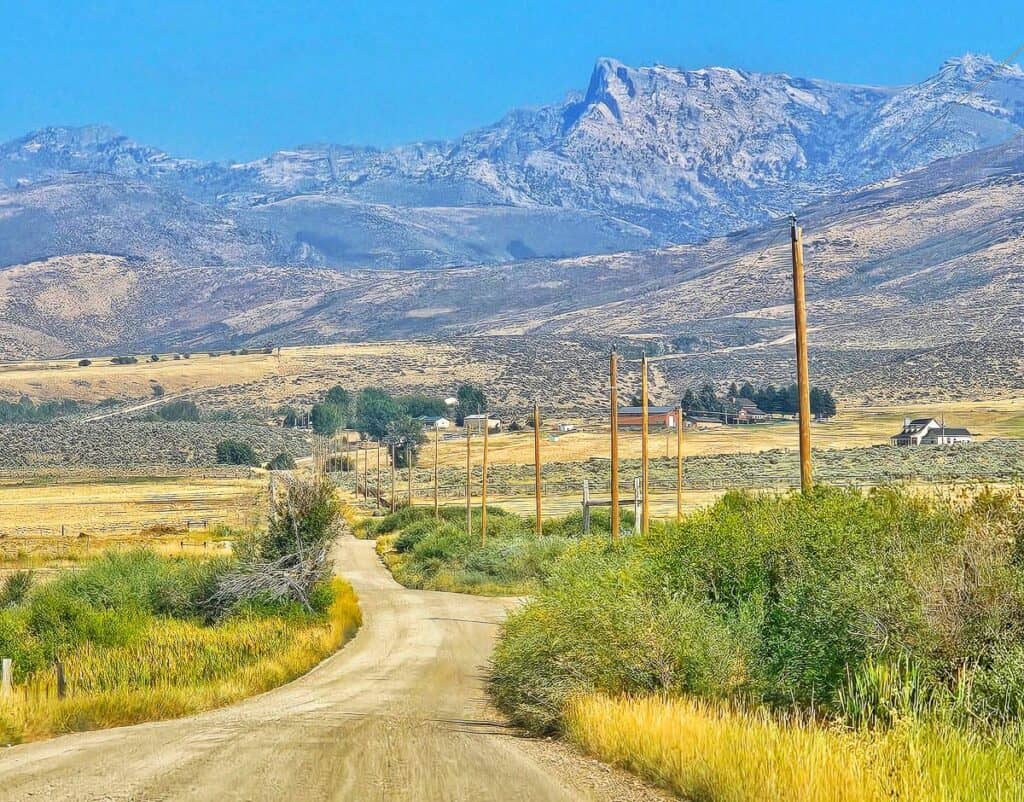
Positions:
(613, 374)
(679, 463)
(469, 483)
(408, 466)
(644, 454)
(483, 484)
(538, 526)
(437, 435)
(378, 475)
(394, 489)
(802, 372)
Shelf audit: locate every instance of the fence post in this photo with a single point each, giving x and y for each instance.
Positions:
(638, 517)
(6, 677)
(62, 685)
(586, 507)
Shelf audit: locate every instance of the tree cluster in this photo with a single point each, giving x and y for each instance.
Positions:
(235, 452)
(771, 399)
(27, 411)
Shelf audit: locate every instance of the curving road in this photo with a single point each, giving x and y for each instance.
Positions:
(398, 714)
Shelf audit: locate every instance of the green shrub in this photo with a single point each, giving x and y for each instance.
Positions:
(181, 409)
(235, 452)
(14, 587)
(282, 462)
(106, 603)
(869, 607)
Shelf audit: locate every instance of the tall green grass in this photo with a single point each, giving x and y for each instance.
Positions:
(864, 607)
(136, 644)
(439, 554)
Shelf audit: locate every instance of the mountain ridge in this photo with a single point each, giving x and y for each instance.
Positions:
(647, 155)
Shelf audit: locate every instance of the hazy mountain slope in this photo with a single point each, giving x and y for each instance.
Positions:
(644, 157)
(103, 213)
(915, 286)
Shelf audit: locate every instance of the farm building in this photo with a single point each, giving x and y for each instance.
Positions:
(743, 410)
(929, 432)
(474, 424)
(434, 422)
(657, 417)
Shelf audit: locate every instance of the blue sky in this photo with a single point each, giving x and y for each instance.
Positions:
(226, 79)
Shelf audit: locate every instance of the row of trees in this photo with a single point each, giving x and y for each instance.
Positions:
(26, 410)
(377, 414)
(771, 399)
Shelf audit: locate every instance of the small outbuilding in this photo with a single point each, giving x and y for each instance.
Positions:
(434, 422)
(474, 424)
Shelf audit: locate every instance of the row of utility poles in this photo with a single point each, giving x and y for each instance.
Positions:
(803, 382)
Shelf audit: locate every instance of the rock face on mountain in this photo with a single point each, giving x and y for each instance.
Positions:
(915, 289)
(646, 156)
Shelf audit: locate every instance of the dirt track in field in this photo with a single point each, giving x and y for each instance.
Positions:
(399, 714)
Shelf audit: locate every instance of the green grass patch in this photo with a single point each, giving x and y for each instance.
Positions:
(137, 642)
(439, 554)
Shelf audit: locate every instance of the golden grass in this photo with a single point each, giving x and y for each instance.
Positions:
(267, 379)
(705, 751)
(854, 427)
(98, 514)
(179, 668)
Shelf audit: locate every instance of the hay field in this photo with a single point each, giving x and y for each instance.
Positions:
(100, 513)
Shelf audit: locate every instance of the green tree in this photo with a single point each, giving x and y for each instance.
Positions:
(235, 452)
(422, 405)
(405, 433)
(327, 418)
(302, 522)
(182, 409)
(340, 397)
(823, 405)
(472, 401)
(375, 409)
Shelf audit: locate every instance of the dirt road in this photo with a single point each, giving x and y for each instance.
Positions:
(398, 714)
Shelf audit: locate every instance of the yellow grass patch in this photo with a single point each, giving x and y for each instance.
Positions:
(98, 514)
(705, 751)
(180, 668)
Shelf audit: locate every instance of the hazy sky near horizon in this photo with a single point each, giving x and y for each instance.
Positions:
(234, 80)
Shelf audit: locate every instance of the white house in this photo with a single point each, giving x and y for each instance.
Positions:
(434, 422)
(929, 432)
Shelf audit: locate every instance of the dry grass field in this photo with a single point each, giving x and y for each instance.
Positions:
(507, 368)
(852, 428)
(162, 512)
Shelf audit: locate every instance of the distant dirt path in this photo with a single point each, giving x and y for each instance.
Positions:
(399, 714)
(136, 407)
